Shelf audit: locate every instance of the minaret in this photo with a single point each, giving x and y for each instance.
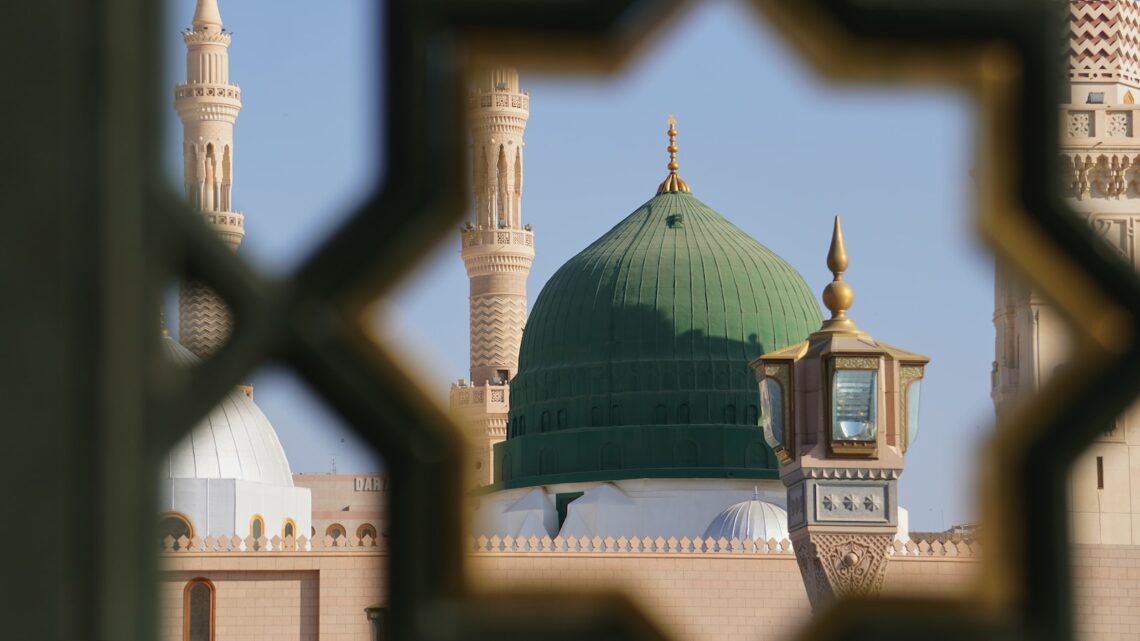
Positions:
(497, 250)
(1099, 145)
(208, 104)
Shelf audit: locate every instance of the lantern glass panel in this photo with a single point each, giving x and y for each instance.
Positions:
(772, 412)
(913, 398)
(854, 405)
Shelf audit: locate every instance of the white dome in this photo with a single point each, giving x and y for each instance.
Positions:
(235, 441)
(750, 520)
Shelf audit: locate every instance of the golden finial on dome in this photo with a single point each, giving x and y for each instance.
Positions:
(838, 295)
(673, 183)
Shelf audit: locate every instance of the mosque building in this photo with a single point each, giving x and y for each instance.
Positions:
(229, 476)
(1101, 156)
(615, 429)
(634, 411)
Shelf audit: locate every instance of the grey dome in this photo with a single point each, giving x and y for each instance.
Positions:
(748, 521)
(235, 441)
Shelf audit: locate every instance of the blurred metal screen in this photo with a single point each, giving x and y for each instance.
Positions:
(91, 238)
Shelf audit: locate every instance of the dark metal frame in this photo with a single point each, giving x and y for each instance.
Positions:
(91, 238)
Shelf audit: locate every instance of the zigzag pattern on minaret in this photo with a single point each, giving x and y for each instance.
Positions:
(496, 330)
(208, 105)
(204, 319)
(1104, 39)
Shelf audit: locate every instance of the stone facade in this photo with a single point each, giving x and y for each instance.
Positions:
(356, 502)
(497, 251)
(694, 596)
(1100, 154)
(208, 105)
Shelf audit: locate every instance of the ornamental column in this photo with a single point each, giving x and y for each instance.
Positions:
(840, 410)
(497, 250)
(208, 105)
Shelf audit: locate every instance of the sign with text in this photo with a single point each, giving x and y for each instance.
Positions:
(370, 484)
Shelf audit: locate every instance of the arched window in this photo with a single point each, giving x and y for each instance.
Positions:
(257, 527)
(729, 414)
(174, 525)
(751, 415)
(545, 427)
(366, 530)
(198, 611)
(289, 529)
(660, 415)
(595, 416)
(615, 414)
(683, 413)
(336, 531)
(563, 419)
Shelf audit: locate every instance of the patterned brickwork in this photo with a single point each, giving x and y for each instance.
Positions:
(1103, 40)
(497, 322)
(724, 596)
(204, 321)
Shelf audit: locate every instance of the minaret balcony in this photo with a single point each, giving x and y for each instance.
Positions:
(510, 100)
(205, 101)
(480, 399)
(497, 238)
(1107, 127)
(229, 225)
(491, 251)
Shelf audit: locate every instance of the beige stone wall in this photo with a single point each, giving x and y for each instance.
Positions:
(1106, 592)
(278, 595)
(251, 605)
(706, 597)
(719, 596)
(351, 500)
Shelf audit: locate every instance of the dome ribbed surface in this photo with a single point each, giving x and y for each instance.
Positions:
(649, 331)
(748, 521)
(235, 441)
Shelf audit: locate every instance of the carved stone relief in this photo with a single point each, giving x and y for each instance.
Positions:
(838, 565)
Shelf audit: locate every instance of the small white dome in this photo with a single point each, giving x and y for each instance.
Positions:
(235, 441)
(750, 520)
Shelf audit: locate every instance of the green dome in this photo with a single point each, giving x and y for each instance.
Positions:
(634, 362)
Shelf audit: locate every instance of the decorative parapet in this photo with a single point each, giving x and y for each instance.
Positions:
(207, 90)
(228, 225)
(207, 37)
(482, 399)
(558, 545)
(497, 237)
(685, 545)
(224, 544)
(484, 100)
(1100, 147)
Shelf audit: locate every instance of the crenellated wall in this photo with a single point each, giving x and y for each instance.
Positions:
(740, 590)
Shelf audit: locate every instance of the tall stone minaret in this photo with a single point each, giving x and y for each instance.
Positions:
(497, 251)
(1100, 148)
(208, 104)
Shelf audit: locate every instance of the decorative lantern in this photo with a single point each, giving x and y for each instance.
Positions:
(840, 410)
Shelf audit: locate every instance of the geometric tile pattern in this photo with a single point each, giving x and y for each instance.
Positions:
(497, 322)
(204, 321)
(1103, 40)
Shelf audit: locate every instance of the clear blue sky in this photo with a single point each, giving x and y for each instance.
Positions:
(764, 141)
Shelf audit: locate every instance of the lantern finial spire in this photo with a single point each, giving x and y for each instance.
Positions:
(838, 295)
